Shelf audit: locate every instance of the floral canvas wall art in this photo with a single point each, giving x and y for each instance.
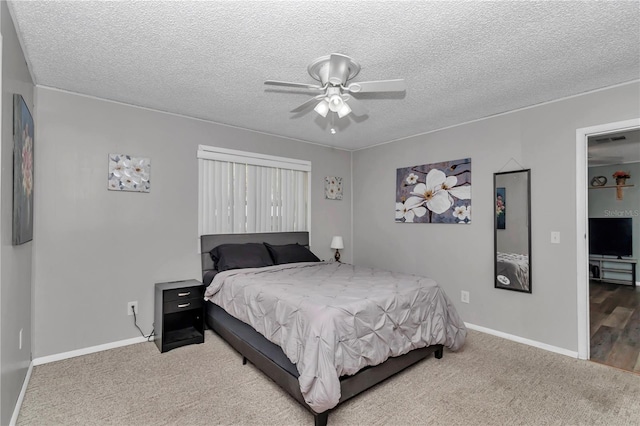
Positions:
(127, 173)
(501, 208)
(333, 188)
(22, 172)
(434, 193)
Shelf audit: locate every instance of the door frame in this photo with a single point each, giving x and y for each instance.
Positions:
(582, 212)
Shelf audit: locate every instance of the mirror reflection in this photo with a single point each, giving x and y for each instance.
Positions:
(512, 230)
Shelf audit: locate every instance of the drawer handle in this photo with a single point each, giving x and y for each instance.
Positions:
(184, 305)
(184, 294)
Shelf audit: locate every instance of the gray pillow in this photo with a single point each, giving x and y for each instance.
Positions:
(238, 256)
(290, 253)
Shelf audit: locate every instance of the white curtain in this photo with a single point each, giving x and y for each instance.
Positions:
(240, 198)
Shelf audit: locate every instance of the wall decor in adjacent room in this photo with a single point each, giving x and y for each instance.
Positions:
(127, 173)
(22, 172)
(501, 208)
(621, 180)
(434, 193)
(333, 188)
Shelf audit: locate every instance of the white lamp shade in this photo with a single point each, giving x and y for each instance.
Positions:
(337, 243)
(335, 103)
(322, 108)
(344, 110)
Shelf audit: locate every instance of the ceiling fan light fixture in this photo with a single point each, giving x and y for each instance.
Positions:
(322, 108)
(335, 103)
(344, 110)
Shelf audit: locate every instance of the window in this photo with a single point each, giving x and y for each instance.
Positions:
(242, 192)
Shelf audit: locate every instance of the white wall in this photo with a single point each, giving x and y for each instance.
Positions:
(461, 257)
(95, 249)
(16, 261)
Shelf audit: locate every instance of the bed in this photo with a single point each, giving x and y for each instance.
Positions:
(512, 270)
(328, 360)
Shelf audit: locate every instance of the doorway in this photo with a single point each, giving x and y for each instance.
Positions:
(607, 314)
(614, 237)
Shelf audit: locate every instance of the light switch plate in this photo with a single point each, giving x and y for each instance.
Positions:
(555, 237)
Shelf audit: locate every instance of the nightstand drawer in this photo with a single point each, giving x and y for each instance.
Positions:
(196, 292)
(182, 305)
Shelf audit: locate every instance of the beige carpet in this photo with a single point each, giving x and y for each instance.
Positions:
(490, 382)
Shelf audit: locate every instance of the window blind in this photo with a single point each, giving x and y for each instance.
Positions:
(242, 192)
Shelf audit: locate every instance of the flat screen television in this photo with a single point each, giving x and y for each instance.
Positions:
(610, 236)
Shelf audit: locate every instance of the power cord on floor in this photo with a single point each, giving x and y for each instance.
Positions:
(135, 322)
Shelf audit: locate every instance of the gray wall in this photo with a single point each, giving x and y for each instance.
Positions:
(97, 249)
(603, 202)
(16, 261)
(461, 257)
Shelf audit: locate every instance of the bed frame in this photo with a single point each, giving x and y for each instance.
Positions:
(279, 368)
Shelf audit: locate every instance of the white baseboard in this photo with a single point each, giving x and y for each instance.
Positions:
(546, 347)
(89, 350)
(16, 409)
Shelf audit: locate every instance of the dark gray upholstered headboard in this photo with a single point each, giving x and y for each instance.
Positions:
(208, 242)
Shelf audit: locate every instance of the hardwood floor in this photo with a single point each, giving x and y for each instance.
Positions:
(615, 325)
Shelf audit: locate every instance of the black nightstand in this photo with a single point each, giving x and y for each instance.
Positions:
(179, 314)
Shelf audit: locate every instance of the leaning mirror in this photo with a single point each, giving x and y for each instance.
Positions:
(512, 230)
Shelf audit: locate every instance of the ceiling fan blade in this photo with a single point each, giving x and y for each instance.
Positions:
(377, 86)
(338, 69)
(357, 107)
(307, 104)
(297, 85)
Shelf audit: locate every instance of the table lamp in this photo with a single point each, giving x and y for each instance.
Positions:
(337, 244)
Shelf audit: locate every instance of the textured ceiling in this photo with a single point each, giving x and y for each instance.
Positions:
(461, 60)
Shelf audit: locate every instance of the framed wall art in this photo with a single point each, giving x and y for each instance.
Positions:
(501, 208)
(434, 193)
(127, 173)
(23, 137)
(333, 188)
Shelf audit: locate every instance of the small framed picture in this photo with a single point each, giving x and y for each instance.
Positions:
(127, 173)
(501, 208)
(333, 188)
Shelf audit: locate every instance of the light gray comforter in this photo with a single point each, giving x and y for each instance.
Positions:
(333, 319)
(515, 268)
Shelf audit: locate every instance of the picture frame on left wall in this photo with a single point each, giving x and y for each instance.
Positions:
(23, 139)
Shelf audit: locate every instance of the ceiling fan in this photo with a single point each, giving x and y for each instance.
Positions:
(334, 72)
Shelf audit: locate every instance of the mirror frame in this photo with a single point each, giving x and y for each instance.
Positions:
(527, 172)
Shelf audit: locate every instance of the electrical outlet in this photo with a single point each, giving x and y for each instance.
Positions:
(20, 339)
(133, 305)
(464, 296)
